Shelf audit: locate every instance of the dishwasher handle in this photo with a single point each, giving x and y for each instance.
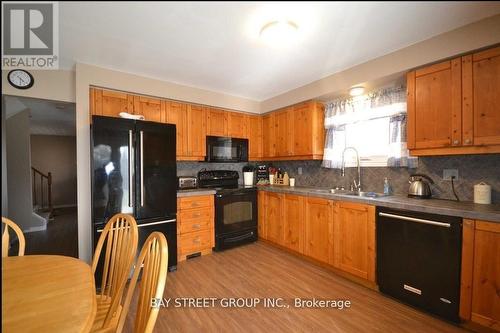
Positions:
(414, 219)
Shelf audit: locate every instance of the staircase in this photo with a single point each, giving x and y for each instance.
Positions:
(42, 197)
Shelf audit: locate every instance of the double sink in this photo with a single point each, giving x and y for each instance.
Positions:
(349, 193)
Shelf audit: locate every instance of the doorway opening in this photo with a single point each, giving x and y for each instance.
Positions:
(39, 191)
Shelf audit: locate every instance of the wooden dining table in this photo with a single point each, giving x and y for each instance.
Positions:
(45, 293)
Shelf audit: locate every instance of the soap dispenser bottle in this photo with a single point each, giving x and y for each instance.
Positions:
(387, 187)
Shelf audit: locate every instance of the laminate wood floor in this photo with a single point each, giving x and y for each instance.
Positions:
(60, 237)
(260, 270)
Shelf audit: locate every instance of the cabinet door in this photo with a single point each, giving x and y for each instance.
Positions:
(269, 143)
(486, 276)
(216, 122)
(434, 106)
(284, 132)
(196, 128)
(293, 219)
(177, 114)
(318, 229)
(481, 94)
(255, 137)
(151, 108)
(354, 239)
(303, 127)
(237, 125)
(111, 103)
(262, 207)
(274, 221)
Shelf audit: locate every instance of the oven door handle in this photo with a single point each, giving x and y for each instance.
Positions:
(239, 238)
(232, 194)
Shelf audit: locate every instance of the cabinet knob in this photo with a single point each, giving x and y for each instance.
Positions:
(455, 142)
(467, 141)
(196, 226)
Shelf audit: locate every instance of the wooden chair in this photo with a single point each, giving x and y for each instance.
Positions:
(119, 241)
(6, 238)
(153, 262)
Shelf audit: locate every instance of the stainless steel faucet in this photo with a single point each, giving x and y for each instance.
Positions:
(357, 185)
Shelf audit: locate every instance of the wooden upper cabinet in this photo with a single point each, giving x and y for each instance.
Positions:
(293, 222)
(273, 218)
(111, 103)
(237, 125)
(453, 106)
(303, 124)
(176, 113)
(354, 239)
(481, 77)
(284, 132)
(296, 132)
(434, 106)
(319, 229)
(309, 132)
(254, 137)
(486, 275)
(153, 109)
(269, 137)
(196, 131)
(216, 122)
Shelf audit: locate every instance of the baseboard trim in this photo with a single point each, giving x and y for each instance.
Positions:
(35, 229)
(65, 206)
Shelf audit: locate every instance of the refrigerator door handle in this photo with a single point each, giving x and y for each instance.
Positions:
(142, 167)
(148, 224)
(130, 169)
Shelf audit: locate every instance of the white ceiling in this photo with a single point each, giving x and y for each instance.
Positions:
(46, 117)
(215, 46)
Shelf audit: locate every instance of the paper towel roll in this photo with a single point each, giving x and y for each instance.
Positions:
(482, 193)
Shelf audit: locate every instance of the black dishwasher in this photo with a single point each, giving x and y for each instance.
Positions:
(418, 259)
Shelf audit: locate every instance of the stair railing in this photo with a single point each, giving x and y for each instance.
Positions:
(42, 195)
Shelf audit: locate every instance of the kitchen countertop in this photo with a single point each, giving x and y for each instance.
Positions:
(464, 209)
(194, 192)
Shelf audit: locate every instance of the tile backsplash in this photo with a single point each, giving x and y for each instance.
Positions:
(472, 169)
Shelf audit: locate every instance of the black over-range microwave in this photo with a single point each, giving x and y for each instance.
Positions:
(223, 149)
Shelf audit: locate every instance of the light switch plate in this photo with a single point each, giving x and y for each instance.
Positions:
(448, 173)
(299, 170)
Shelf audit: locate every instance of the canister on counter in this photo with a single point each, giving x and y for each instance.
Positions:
(482, 193)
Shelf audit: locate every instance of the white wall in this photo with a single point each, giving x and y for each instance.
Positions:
(19, 169)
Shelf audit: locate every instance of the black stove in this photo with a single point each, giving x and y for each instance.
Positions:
(235, 208)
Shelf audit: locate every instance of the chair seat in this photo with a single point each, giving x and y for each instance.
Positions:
(103, 305)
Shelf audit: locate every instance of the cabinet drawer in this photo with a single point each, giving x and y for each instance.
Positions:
(195, 202)
(195, 220)
(195, 241)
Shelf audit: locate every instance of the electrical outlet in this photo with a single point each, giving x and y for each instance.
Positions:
(299, 170)
(448, 173)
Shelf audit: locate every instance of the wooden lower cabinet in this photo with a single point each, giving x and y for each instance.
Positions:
(261, 208)
(195, 225)
(293, 222)
(339, 234)
(319, 229)
(274, 218)
(354, 239)
(480, 285)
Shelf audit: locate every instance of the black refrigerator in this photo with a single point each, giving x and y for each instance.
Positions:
(134, 172)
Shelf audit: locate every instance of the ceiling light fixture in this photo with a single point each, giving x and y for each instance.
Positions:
(356, 91)
(278, 32)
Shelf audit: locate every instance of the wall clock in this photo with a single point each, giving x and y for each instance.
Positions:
(20, 79)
